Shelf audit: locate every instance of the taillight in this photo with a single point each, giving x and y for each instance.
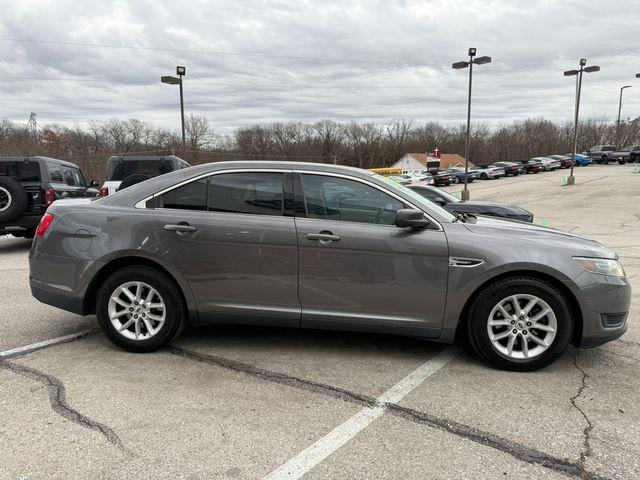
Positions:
(104, 191)
(49, 196)
(45, 223)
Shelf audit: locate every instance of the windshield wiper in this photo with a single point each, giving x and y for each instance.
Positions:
(463, 217)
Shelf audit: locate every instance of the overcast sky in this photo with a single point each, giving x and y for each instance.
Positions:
(251, 61)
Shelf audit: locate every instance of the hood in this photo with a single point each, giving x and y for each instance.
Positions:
(523, 232)
(473, 206)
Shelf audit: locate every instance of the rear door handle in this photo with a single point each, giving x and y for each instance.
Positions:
(323, 237)
(180, 228)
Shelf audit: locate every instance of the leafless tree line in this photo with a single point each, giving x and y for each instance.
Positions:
(364, 145)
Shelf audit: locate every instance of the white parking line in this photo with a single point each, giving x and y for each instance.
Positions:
(311, 456)
(45, 343)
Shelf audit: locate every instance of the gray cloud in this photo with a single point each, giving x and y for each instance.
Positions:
(366, 60)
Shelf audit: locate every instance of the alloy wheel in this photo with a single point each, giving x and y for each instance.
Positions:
(522, 326)
(136, 310)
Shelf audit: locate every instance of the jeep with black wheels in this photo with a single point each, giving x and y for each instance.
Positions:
(601, 153)
(124, 171)
(28, 185)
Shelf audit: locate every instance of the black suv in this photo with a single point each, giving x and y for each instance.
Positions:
(28, 185)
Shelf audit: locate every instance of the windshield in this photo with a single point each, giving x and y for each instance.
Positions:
(421, 202)
(121, 168)
(20, 171)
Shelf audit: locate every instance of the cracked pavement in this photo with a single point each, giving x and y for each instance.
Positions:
(229, 402)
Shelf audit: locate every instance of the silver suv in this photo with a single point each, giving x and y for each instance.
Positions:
(322, 246)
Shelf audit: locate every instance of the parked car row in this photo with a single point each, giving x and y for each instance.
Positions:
(29, 185)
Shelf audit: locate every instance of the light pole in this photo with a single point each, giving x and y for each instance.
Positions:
(619, 110)
(569, 73)
(181, 72)
(459, 65)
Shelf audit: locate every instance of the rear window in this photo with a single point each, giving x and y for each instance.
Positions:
(21, 171)
(120, 169)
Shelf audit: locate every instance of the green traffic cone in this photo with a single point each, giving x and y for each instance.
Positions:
(636, 169)
(564, 181)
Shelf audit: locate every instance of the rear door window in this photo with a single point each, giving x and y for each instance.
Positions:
(258, 193)
(66, 174)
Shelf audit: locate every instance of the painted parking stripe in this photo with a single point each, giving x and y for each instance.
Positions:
(44, 344)
(311, 456)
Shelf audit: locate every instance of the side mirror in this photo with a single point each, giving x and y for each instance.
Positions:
(94, 183)
(440, 201)
(410, 218)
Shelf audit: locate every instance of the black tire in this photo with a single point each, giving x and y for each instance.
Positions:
(485, 302)
(13, 199)
(605, 160)
(483, 176)
(456, 179)
(28, 234)
(622, 162)
(133, 179)
(175, 316)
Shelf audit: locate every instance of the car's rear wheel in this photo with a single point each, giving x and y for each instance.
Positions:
(520, 323)
(483, 176)
(140, 309)
(456, 179)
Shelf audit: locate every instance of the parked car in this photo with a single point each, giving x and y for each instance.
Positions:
(626, 154)
(28, 185)
(510, 168)
(454, 204)
(442, 178)
(122, 172)
(565, 160)
(531, 166)
(488, 172)
(323, 246)
(581, 160)
(458, 174)
(548, 163)
(601, 153)
(420, 178)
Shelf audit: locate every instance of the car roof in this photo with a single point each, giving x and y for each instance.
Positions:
(38, 158)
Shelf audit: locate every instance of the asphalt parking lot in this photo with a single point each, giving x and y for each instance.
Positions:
(229, 402)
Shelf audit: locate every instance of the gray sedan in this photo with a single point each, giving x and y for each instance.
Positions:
(322, 246)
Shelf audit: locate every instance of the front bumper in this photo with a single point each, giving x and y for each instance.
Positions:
(605, 308)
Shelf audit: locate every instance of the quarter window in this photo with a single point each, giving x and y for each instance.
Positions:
(258, 193)
(334, 198)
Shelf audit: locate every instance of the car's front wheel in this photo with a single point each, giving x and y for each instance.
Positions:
(520, 323)
(140, 309)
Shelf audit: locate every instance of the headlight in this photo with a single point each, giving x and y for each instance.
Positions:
(601, 266)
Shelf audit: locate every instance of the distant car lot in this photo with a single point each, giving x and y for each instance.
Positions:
(259, 398)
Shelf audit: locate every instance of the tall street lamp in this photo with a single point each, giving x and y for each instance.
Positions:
(459, 65)
(181, 72)
(619, 109)
(569, 73)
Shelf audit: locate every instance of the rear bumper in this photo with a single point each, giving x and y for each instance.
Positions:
(56, 297)
(605, 308)
(26, 222)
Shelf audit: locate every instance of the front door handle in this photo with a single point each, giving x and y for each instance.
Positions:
(181, 227)
(323, 237)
